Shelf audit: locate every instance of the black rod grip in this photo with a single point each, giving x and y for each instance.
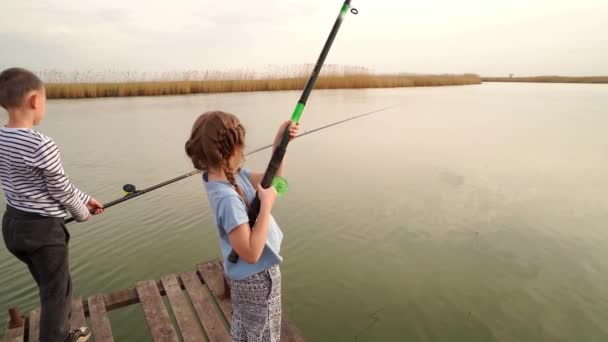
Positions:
(271, 172)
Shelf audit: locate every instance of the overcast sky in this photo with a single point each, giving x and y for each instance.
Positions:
(489, 37)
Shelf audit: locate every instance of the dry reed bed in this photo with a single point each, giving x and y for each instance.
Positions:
(158, 88)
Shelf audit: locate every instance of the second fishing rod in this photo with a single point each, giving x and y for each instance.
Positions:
(132, 192)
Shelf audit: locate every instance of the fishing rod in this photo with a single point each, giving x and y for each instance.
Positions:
(279, 152)
(132, 192)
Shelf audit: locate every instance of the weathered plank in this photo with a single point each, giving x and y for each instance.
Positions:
(181, 309)
(123, 298)
(34, 326)
(77, 319)
(155, 312)
(207, 314)
(213, 275)
(102, 332)
(289, 332)
(120, 299)
(14, 334)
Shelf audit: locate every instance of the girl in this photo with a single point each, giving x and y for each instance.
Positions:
(216, 147)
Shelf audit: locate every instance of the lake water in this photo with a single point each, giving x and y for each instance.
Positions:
(473, 213)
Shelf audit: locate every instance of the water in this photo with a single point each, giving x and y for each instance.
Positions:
(472, 213)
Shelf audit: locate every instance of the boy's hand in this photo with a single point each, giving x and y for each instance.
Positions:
(293, 131)
(95, 207)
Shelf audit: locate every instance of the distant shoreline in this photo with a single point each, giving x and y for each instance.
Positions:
(80, 90)
(550, 79)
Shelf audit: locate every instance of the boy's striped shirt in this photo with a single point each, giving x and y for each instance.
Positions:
(33, 178)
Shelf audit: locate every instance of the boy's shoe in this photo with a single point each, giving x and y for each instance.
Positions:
(79, 335)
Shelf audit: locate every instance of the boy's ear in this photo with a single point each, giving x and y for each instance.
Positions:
(32, 100)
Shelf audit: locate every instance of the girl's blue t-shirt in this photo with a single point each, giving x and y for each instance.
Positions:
(229, 212)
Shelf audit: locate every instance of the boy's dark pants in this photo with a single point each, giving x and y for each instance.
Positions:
(42, 244)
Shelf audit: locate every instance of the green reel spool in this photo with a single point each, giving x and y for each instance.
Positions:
(280, 184)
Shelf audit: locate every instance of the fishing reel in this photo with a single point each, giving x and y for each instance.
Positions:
(129, 189)
(280, 185)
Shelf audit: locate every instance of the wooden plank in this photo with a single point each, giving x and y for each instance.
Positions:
(212, 274)
(205, 309)
(289, 332)
(102, 332)
(155, 312)
(123, 298)
(181, 309)
(77, 319)
(120, 299)
(14, 334)
(34, 326)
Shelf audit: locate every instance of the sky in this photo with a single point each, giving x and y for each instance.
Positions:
(487, 37)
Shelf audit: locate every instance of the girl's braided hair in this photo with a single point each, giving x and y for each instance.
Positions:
(215, 137)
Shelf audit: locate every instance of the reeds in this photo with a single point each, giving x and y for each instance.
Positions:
(113, 84)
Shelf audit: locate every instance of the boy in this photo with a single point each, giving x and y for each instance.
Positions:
(38, 193)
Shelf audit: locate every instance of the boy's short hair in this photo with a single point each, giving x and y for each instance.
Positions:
(15, 83)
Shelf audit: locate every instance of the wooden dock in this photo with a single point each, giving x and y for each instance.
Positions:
(194, 298)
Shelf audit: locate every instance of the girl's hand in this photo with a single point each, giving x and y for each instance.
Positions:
(293, 131)
(267, 196)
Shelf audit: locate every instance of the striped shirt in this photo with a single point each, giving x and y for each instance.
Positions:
(33, 178)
